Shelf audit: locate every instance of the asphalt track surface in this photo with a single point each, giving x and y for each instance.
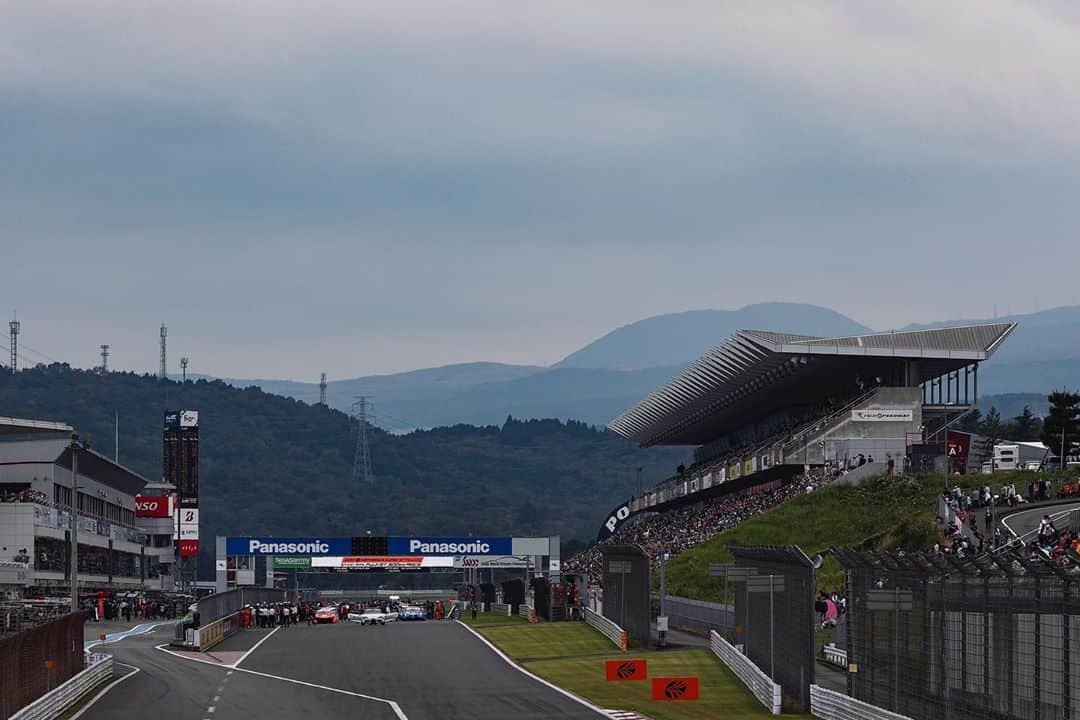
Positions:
(403, 671)
(1027, 521)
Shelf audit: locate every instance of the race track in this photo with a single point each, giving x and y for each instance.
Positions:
(404, 671)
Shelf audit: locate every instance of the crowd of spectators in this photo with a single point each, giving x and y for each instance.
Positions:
(677, 530)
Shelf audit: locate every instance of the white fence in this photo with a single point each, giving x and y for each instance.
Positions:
(53, 704)
(610, 630)
(500, 609)
(832, 705)
(760, 684)
(527, 612)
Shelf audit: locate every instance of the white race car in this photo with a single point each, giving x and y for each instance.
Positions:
(372, 616)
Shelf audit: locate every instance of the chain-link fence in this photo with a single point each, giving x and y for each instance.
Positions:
(773, 589)
(35, 661)
(939, 637)
(699, 616)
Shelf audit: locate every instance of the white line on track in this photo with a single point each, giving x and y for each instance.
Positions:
(255, 647)
(1053, 516)
(393, 705)
(539, 679)
(106, 689)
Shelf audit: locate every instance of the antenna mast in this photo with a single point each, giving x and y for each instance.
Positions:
(183, 369)
(322, 389)
(14, 327)
(163, 367)
(365, 413)
(104, 359)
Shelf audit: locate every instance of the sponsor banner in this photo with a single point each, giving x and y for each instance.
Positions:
(189, 548)
(615, 520)
(159, 506)
(959, 444)
(288, 546)
(189, 524)
(626, 670)
(176, 419)
(291, 562)
(883, 414)
(449, 546)
(492, 561)
(675, 688)
(377, 562)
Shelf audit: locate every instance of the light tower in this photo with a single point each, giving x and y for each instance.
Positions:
(104, 359)
(13, 327)
(365, 413)
(322, 389)
(183, 369)
(163, 367)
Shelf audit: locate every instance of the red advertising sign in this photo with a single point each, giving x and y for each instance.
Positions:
(675, 688)
(189, 548)
(957, 450)
(160, 506)
(626, 670)
(369, 562)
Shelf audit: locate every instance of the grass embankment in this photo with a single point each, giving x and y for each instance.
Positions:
(572, 655)
(882, 513)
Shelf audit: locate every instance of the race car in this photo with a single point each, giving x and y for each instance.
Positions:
(372, 616)
(412, 613)
(326, 614)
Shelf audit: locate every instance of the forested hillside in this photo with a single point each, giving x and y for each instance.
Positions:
(274, 465)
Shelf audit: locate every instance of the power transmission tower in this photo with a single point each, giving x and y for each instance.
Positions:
(364, 410)
(322, 389)
(14, 328)
(183, 369)
(163, 367)
(104, 359)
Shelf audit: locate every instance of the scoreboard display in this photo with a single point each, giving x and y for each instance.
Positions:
(370, 546)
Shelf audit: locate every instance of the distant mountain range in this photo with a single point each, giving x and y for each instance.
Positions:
(612, 373)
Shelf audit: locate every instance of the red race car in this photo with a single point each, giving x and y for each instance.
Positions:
(326, 614)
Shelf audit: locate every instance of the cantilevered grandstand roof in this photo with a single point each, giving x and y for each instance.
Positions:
(756, 373)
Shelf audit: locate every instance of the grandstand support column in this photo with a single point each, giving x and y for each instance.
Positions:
(74, 522)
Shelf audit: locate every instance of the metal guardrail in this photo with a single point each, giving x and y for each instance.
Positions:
(831, 705)
(836, 656)
(528, 612)
(53, 704)
(699, 615)
(500, 609)
(607, 628)
(763, 688)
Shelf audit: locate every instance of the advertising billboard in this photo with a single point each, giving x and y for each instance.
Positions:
(449, 546)
(157, 506)
(189, 548)
(287, 546)
(408, 562)
(180, 454)
(189, 524)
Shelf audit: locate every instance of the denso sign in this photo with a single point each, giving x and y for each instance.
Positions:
(160, 506)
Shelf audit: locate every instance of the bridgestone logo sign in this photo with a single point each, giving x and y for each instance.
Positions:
(257, 547)
(449, 548)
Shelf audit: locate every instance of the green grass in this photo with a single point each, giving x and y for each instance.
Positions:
(548, 640)
(484, 620)
(882, 513)
(572, 655)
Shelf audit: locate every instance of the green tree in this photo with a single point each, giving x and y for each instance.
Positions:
(970, 422)
(991, 427)
(1025, 426)
(1064, 417)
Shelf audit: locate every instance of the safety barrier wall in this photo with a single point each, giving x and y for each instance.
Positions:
(215, 607)
(610, 630)
(53, 704)
(500, 609)
(831, 705)
(211, 634)
(35, 661)
(528, 612)
(764, 689)
(698, 615)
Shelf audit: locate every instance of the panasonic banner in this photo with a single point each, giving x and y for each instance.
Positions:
(311, 547)
(449, 546)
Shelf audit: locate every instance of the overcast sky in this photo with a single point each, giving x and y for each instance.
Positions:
(358, 187)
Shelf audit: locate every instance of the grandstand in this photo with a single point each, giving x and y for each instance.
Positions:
(771, 414)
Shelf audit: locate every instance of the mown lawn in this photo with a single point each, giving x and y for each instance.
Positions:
(484, 620)
(582, 651)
